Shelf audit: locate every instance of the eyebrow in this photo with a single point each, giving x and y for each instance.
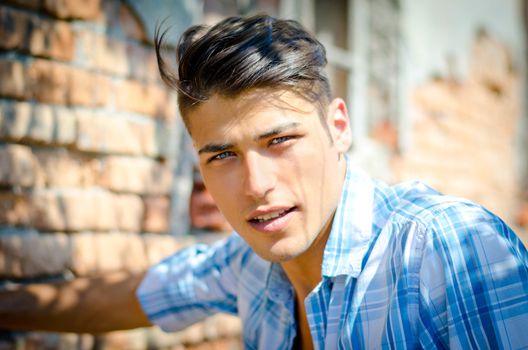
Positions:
(212, 148)
(219, 147)
(277, 130)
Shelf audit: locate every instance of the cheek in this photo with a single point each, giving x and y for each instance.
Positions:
(222, 188)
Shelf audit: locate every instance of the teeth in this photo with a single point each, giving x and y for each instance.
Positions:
(270, 216)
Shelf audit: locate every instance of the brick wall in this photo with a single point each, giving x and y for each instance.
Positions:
(86, 129)
(467, 134)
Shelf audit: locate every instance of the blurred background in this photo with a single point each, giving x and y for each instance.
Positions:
(97, 173)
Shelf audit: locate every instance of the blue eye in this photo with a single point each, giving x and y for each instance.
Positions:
(221, 156)
(281, 139)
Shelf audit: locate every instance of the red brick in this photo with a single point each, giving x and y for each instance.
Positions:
(153, 136)
(104, 90)
(30, 33)
(89, 89)
(158, 247)
(16, 119)
(148, 138)
(98, 253)
(31, 255)
(89, 209)
(18, 166)
(156, 217)
(42, 124)
(62, 41)
(85, 48)
(51, 39)
(496, 116)
(77, 210)
(469, 128)
(111, 56)
(129, 211)
(82, 88)
(49, 81)
(490, 64)
(65, 126)
(13, 28)
(149, 99)
(96, 51)
(61, 168)
(13, 82)
(15, 209)
(150, 176)
(109, 134)
(131, 97)
(69, 9)
(36, 123)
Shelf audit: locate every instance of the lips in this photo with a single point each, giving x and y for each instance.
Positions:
(273, 215)
(271, 220)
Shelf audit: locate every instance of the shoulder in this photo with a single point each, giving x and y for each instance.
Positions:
(462, 241)
(417, 202)
(452, 224)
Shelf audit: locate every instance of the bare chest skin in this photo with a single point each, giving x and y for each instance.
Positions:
(304, 338)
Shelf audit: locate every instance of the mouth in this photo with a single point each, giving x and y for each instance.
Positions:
(272, 221)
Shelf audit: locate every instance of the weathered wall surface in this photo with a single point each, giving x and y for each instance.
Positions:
(464, 132)
(87, 142)
(465, 122)
(88, 139)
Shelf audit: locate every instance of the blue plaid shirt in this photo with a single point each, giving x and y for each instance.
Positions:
(404, 267)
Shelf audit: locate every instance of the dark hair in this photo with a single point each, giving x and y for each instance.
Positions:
(239, 54)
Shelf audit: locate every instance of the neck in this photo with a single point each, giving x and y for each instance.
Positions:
(304, 272)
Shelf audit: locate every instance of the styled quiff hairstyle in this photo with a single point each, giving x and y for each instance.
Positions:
(239, 54)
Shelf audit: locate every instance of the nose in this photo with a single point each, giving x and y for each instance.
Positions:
(259, 176)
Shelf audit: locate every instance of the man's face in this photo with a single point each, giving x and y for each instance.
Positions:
(273, 169)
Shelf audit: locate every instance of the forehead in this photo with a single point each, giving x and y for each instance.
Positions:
(251, 111)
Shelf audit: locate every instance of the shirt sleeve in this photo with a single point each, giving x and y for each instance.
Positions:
(474, 283)
(193, 284)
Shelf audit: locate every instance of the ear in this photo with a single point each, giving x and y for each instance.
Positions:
(339, 125)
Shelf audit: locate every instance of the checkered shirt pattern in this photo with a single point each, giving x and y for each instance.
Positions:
(404, 267)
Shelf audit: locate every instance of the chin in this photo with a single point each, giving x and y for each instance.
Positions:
(282, 252)
(277, 258)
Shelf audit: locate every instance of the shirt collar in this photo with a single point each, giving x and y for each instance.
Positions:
(278, 286)
(351, 230)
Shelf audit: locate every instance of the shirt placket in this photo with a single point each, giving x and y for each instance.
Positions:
(335, 308)
(280, 292)
(325, 322)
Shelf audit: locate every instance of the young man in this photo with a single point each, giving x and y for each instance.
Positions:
(323, 256)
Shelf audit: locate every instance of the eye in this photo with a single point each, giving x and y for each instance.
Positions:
(280, 139)
(221, 156)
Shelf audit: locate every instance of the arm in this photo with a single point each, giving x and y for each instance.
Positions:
(195, 283)
(83, 305)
